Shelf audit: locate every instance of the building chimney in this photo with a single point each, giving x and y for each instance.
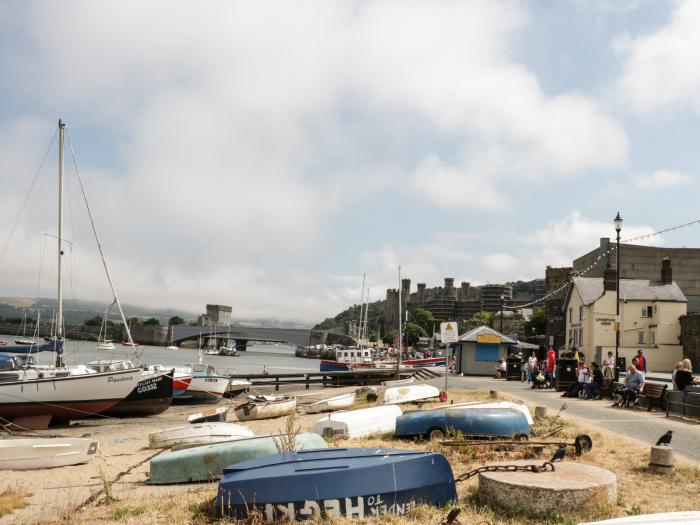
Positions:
(666, 271)
(609, 280)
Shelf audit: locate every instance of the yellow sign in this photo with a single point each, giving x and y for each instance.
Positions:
(488, 338)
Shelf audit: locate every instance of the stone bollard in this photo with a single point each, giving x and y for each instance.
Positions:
(493, 394)
(540, 411)
(661, 460)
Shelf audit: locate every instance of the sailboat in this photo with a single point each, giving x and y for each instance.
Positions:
(172, 345)
(102, 342)
(34, 397)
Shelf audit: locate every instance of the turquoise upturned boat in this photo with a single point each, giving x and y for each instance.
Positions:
(209, 461)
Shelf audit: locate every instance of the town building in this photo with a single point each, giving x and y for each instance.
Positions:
(556, 279)
(217, 314)
(650, 312)
(642, 262)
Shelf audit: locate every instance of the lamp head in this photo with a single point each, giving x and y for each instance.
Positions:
(618, 222)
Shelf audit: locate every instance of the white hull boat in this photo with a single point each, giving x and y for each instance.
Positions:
(266, 407)
(209, 415)
(662, 518)
(397, 382)
(409, 394)
(331, 404)
(358, 423)
(236, 387)
(62, 395)
(199, 434)
(520, 407)
(172, 347)
(38, 453)
(106, 345)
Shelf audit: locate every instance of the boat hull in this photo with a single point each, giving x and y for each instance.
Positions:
(331, 404)
(25, 348)
(208, 462)
(152, 395)
(38, 453)
(326, 365)
(205, 389)
(489, 422)
(65, 398)
(410, 394)
(268, 410)
(358, 423)
(198, 434)
(351, 482)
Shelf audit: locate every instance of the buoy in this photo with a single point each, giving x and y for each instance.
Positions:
(443, 396)
(661, 459)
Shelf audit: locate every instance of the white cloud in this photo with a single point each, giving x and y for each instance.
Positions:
(448, 187)
(662, 179)
(241, 133)
(660, 69)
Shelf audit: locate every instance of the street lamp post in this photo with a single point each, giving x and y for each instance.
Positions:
(503, 297)
(618, 227)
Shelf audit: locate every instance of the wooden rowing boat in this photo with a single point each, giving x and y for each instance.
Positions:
(265, 407)
(330, 404)
(194, 435)
(410, 394)
(38, 453)
(358, 423)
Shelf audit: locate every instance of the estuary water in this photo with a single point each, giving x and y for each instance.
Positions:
(276, 358)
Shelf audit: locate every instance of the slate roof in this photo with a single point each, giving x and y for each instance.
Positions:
(471, 335)
(591, 289)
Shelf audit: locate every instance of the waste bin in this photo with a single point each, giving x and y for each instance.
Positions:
(566, 373)
(513, 365)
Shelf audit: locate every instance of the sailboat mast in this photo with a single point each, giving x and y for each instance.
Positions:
(362, 305)
(59, 312)
(398, 356)
(366, 314)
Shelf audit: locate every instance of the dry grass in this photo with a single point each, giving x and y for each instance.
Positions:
(639, 491)
(12, 499)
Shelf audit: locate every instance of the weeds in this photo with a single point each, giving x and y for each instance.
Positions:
(128, 512)
(107, 483)
(287, 441)
(12, 499)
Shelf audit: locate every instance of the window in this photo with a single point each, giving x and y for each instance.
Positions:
(571, 315)
(653, 337)
(575, 337)
(580, 313)
(647, 311)
(654, 308)
(580, 336)
(640, 338)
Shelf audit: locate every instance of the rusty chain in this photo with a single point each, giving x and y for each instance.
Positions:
(544, 467)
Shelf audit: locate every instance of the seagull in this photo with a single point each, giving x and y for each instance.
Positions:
(559, 454)
(665, 439)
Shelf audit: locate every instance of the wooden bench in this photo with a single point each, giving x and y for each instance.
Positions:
(652, 392)
(607, 389)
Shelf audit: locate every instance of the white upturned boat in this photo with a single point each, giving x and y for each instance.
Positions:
(397, 382)
(331, 404)
(409, 394)
(209, 415)
(662, 518)
(38, 453)
(358, 423)
(200, 434)
(521, 407)
(266, 407)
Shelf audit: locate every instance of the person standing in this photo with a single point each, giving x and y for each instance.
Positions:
(608, 363)
(642, 361)
(532, 365)
(551, 360)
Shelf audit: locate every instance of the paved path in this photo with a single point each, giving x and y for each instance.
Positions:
(638, 424)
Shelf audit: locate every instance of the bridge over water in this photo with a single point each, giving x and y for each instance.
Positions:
(242, 334)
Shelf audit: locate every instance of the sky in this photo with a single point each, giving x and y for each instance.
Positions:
(266, 154)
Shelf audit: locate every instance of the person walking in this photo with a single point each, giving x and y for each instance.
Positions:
(551, 360)
(608, 363)
(642, 361)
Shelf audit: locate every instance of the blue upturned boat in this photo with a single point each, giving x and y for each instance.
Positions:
(352, 482)
(55, 345)
(436, 424)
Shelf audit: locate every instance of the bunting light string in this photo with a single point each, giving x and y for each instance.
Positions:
(600, 257)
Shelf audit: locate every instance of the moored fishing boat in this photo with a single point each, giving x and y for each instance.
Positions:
(265, 407)
(357, 358)
(358, 423)
(209, 461)
(478, 422)
(330, 404)
(350, 482)
(200, 434)
(409, 394)
(152, 395)
(38, 453)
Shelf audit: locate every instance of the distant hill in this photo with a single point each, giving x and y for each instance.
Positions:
(375, 317)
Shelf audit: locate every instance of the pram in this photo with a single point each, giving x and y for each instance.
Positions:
(539, 380)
